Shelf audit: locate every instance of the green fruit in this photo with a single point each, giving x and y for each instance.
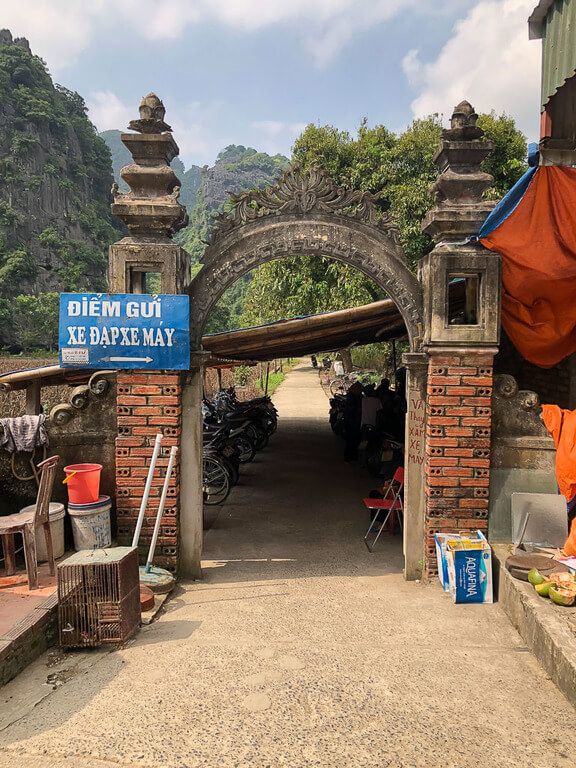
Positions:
(544, 588)
(535, 577)
(562, 596)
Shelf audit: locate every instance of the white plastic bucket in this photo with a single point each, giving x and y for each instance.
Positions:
(91, 524)
(56, 514)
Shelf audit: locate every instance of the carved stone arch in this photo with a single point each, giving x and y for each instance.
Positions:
(305, 214)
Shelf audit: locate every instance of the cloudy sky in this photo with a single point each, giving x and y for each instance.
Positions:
(254, 72)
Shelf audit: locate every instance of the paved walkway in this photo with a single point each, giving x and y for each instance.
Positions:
(298, 649)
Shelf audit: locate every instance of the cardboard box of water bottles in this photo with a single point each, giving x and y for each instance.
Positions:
(465, 567)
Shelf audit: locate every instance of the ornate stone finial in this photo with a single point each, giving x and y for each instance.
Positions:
(151, 207)
(152, 114)
(463, 116)
(458, 190)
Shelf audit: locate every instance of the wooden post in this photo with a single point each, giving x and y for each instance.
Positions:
(33, 406)
(394, 356)
(267, 376)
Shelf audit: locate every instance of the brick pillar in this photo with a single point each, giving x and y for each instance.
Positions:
(148, 403)
(458, 429)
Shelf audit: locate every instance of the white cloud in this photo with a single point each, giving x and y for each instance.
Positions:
(59, 30)
(488, 60)
(277, 135)
(107, 111)
(195, 127)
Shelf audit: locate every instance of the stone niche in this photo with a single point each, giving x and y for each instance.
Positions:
(523, 453)
(461, 279)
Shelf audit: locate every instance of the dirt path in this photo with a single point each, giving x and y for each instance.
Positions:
(299, 648)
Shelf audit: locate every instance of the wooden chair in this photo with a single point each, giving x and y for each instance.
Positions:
(27, 522)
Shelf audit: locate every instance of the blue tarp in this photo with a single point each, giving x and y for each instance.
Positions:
(510, 202)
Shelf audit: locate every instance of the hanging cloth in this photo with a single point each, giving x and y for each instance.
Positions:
(536, 237)
(562, 426)
(23, 433)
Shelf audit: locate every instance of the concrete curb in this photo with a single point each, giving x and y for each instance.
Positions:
(28, 639)
(544, 631)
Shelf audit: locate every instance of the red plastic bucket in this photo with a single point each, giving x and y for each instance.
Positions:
(84, 483)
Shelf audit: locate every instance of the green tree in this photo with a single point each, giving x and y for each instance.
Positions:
(35, 320)
(399, 170)
(507, 161)
(304, 285)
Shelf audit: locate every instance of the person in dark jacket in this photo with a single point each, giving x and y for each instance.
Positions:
(353, 422)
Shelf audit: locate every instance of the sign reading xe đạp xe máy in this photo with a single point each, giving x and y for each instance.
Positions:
(124, 330)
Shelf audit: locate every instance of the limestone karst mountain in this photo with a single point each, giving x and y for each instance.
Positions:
(55, 179)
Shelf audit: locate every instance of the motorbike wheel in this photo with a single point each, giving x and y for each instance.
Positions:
(258, 436)
(216, 480)
(246, 449)
(271, 424)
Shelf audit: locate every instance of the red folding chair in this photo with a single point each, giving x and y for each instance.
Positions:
(392, 504)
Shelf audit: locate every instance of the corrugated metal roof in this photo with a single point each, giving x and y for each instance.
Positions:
(559, 46)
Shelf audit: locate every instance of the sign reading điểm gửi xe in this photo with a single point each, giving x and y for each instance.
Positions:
(124, 330)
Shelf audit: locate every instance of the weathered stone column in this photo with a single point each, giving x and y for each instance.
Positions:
(149, 402)
(461, 282)
(191, 496)
(415, 461)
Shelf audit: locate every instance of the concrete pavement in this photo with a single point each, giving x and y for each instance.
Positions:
(299, 648)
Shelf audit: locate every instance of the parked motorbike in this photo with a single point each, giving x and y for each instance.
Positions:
(233, 432)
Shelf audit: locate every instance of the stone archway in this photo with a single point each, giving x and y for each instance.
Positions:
(305, 213)
(450, 365)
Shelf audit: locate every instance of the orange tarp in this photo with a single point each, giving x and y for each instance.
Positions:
(538, 247)
(562, 426)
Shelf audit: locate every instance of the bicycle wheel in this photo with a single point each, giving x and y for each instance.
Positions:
(232, 469)
(216, 481)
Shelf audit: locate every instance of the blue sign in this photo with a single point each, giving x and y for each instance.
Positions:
(124, 330)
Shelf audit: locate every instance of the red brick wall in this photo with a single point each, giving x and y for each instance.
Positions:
(148, 403)
(457, 446)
